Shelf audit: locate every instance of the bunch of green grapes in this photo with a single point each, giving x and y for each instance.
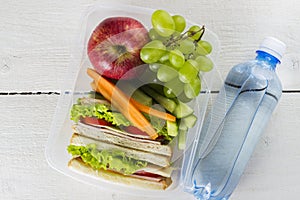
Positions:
(177, 57)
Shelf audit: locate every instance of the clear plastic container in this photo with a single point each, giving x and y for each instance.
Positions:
(77, 84)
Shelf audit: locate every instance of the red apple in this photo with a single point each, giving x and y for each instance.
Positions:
(114, 47)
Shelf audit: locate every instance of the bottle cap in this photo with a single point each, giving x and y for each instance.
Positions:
(273, 46)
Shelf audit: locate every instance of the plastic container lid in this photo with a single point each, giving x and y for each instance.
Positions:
(77, 84)
(273, 46)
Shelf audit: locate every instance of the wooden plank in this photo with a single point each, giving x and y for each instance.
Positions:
(24, 171)
(271, 174)
(273, 170)
(37, 38)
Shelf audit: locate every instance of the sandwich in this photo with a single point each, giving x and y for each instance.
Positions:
(106, 145)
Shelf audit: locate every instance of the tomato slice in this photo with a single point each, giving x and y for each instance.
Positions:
(148, 174)
(95, 121)
(134, 130)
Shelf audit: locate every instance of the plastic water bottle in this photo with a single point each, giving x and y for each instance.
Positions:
(236, 121)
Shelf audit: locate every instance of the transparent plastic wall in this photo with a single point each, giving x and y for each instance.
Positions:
(77, 84)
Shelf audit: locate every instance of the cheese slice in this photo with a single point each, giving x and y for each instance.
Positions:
(162, 171)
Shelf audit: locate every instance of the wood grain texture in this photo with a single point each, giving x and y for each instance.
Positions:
(36, 43)
(24, 171)
(272, 172)
(37, 38)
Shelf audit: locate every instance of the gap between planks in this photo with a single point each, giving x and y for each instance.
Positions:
(58, 93)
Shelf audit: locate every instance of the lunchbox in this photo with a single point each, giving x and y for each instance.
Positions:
(76, 85)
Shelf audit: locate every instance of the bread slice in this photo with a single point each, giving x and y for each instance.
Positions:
(114, 136)
(78, 165)
(160, 160)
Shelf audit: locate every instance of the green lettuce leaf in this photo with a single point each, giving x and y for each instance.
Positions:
(100, 111)
(112, 159)
(103, 111)
(160, 126)
(166, 139)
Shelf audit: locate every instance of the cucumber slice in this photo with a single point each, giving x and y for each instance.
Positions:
(189, 121)
(141, 97)
(172, 128)
(182, 110)
(182, 97)
(182, 139)
(167, 103)
(182, 126)
(137, 94)
(157, 87)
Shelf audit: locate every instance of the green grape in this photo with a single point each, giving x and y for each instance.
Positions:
(204, 63)
(173, 88)
(166, 73)
(188, 56)
(152, 51)
(154, 67)
(193, 88)
(186, 46)
(203, 48)
(163, 23)
(194, 55)
(176, 58)
(179, 23)
(188, 72)
(195, 32)
(167, 62)
(192, 63)
(148, 76)
(154, 35)
(164, 58)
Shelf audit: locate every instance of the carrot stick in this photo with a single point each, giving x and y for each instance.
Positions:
(121, 102)
(152, 111)
(145, 109)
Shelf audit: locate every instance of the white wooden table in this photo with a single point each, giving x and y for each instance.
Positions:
(36, 39)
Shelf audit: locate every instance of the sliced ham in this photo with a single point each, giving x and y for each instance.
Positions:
(115, 136)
